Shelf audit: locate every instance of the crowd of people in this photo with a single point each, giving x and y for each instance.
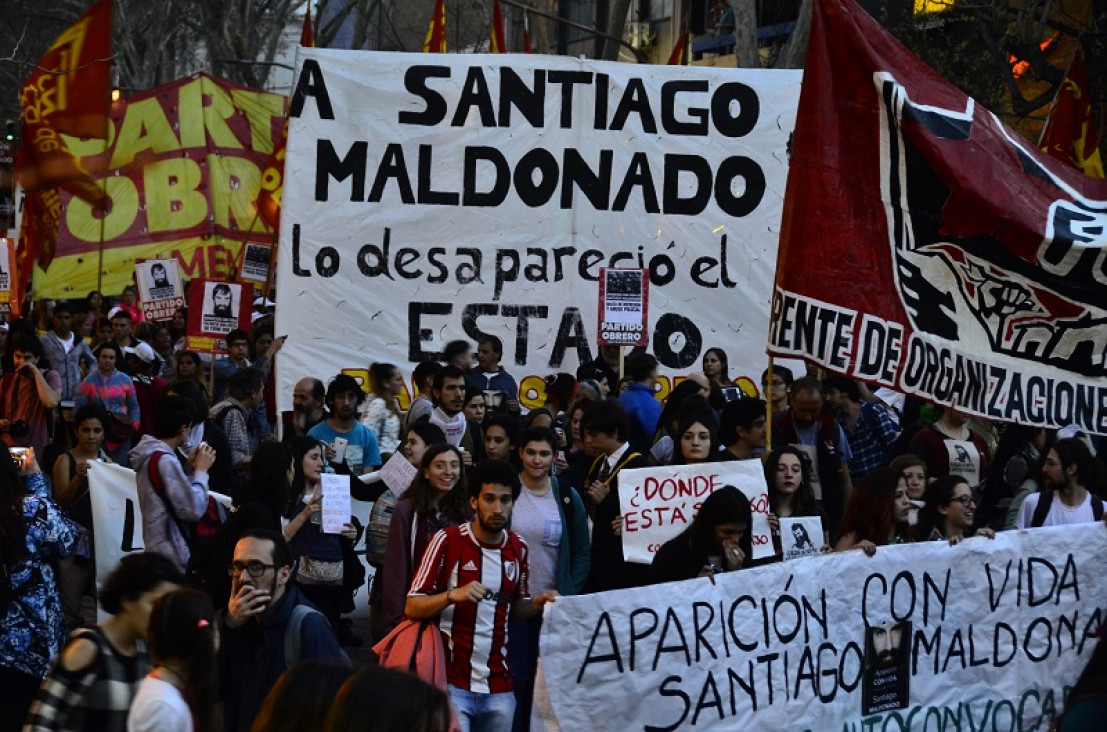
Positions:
(235, 620)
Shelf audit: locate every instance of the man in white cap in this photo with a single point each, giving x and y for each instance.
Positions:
(144, 365)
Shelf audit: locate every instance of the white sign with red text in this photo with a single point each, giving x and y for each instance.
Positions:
(659, 503)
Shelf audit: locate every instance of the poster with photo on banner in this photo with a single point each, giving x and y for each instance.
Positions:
(217, 308)
(659, 503)
(990, 634)
(433, 197)
(159, 288)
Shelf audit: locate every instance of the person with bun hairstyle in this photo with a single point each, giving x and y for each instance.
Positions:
(179, 695)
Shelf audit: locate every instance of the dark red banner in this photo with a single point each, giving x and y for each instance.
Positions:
(927, 247)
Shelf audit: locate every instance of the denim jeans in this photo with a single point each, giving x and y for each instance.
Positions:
(483, 712)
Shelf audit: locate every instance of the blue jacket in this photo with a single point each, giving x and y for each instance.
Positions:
(252, 657)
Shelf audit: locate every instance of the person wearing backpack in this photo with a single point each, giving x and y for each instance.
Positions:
(269, 626)
(172, 501)
(1072, 477)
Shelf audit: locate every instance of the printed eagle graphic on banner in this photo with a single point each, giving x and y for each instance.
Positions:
(927, 247)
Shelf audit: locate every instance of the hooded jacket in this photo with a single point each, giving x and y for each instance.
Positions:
(188, 496)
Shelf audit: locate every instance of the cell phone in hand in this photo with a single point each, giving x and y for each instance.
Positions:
(340, 449)
(23, 456)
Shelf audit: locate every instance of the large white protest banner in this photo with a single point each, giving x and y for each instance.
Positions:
(659, 503)
(985, 635)
(435, 197)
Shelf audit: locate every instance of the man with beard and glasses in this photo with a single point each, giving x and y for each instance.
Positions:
(1071, 479)
(361, 453)
(473, 577)
(267, 621)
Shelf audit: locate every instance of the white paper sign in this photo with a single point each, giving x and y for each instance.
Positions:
(397, 473)
(992, 630)
(336, 502)
(659, 503)
(801, 536)
(487, 192)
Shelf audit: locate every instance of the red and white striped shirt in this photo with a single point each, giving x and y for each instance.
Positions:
(475, 633)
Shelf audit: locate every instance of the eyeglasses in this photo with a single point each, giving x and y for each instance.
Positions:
(965, 501)
(254, 569)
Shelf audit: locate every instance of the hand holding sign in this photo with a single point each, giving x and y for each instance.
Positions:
(658, 503)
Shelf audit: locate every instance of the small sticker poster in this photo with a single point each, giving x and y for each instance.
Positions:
(159, 288)
(7, 256)
(255, 262)
(886, 684)
(398, 473)
(336, 502)
(217, 309)
(801, 536)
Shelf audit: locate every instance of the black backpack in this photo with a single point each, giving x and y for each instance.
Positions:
(1045, 502)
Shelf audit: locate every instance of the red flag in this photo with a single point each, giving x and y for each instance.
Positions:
(497, 45)
(67, 94)
(435, 41)
(272, 175)
(676, 58)
(307, 35)
(527, 47)
(1069, 134)
(927, 247)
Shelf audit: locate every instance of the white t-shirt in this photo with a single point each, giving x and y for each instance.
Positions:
(1059, 514)
(67, 343)
(159, 707)
(538, 520)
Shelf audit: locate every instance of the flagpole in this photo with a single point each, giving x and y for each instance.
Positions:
(769, 406)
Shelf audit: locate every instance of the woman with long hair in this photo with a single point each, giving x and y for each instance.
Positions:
(1019, 450)
(436, 499)
(696, 440)
(179, 695)
(419, 437)
(33, 535)
(501, 439)
(320, 571)
(191, 368)
(96, 676)
(302, 697)
(788, 477)
(382, 411)
(717, 541)
(71, 492)
(949, 512)
(716, 367)
(381, 699)
(876, 513)
(178, 326)
(687, 399)
(258, 505)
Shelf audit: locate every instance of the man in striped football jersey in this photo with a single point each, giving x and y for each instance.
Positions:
(474, 577)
